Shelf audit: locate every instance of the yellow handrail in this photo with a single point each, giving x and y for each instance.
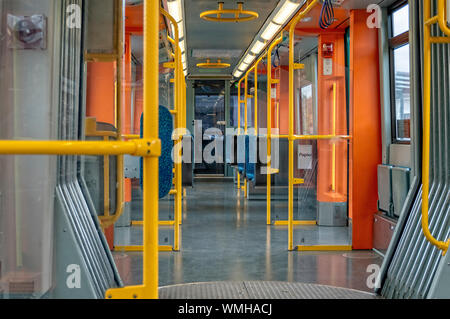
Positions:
(144, 147)
(442, 17)
(427, 118)
(333, 155)
(149, 147)
(292, 68)
(107, 219)
(248, 15)
(149, 287)
(239, 125)
(246, 121)
(255, 102)
(269, 128)
(178, 96)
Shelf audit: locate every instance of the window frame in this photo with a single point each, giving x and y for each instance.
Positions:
(395, 43)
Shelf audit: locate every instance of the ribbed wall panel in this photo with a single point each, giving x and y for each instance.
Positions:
(83, 220)
(413, 267)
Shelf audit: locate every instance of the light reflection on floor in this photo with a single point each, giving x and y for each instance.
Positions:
(225, 238)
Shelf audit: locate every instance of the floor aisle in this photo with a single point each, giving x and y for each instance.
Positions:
(225, 238)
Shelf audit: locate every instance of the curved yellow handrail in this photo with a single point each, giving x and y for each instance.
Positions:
(213, 65)
(428, 20)
(442, 17)
(179, 125)
(269, 128)
(240, 15)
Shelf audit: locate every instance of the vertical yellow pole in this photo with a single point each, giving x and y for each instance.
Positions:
(239, 127)
(106, 190)
(119, 106)
(179, 108)
(180, 122)
(151, 128)
(256, 98)
(269, 128)
(246, 105)
(333, 158)
(269, 138)
(291, 141)
(246, 121)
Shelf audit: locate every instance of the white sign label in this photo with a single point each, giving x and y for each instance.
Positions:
(305, 156)
(327, 66)
(274, 93)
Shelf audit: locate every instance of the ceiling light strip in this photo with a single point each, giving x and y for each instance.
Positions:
(285, 12)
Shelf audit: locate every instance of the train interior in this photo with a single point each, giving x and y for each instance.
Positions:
(196, 149)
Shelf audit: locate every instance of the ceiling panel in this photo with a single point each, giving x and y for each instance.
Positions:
(229, 40)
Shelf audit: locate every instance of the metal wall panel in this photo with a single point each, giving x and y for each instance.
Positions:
(413, 266)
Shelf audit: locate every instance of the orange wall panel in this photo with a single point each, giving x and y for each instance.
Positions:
(100, 92)
(325, 192)
(365, 127)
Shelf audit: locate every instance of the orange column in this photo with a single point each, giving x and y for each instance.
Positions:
(327, 191)
(100, 92)
(365, 127)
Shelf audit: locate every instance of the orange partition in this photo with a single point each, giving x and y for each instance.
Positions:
(326, 191)
(365, 127)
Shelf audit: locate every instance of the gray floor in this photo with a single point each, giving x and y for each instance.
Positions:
(225, 239)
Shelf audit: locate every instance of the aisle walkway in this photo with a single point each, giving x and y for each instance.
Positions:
(225, 238)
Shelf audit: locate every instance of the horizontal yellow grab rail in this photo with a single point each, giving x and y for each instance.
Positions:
(131, 136)
(142, 148)
(295, 222)
(160, 223)
(325, 248)
(138, 249)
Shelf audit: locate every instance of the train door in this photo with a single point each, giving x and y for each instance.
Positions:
(211, 125)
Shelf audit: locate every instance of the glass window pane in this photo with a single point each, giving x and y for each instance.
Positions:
(402, 92)
(400, 21)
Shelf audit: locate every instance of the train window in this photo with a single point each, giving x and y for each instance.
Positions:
(400, 73)
(400, 20)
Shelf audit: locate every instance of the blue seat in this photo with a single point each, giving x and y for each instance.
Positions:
(165, 161)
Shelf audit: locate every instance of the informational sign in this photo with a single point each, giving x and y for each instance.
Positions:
(305, 157)
(274, 93)
(327, 66)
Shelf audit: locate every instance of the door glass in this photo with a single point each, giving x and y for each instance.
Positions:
(210, 123)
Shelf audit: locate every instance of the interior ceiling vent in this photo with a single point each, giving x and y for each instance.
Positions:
(225, 54)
